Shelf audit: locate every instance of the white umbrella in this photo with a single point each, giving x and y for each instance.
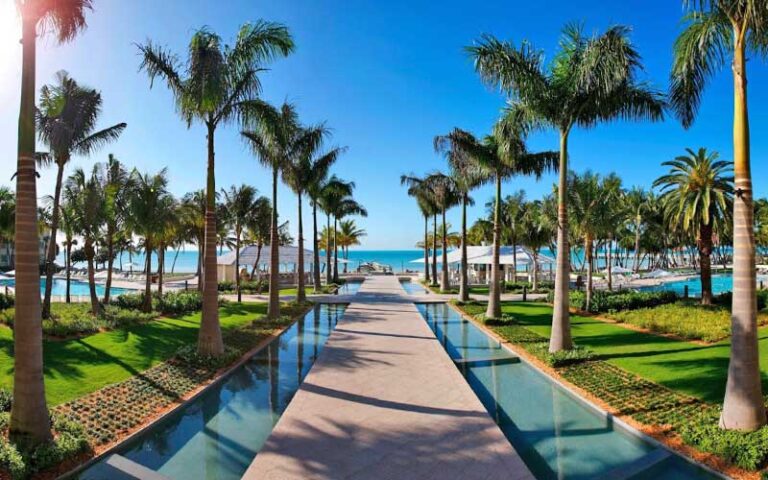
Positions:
(10, 273)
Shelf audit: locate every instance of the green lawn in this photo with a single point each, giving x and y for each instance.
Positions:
(692, 369)
(76, 367)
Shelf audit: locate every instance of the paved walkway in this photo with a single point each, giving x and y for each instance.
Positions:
(384, 401)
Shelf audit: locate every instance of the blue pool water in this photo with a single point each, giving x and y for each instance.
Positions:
(557, 435)
(720, 284)
(219, 433)
(76, 288)
(350, 288)
(413, 288)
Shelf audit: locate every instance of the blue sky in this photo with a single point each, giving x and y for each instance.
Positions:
(386, 76)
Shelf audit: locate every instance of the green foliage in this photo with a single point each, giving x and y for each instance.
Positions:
(748, 450)
(726, 299)
(170, 303)
(121, 317)
(191, 356)
(6, 400)
(505, 319)
(517, 287)
(618, 300)
(250, 287)
(6, 301)
(563, 357)
(686, 319)
(69, 440)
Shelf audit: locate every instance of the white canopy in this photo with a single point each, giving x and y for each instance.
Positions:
(658, 274)
(288, 255)
(617, 270)
(483, 255)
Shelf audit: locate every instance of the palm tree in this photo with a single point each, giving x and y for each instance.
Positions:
(503, 155)
(278, 140)
(115, 182)
(86, 195)
(30, 423)
(149, 198)
(468, 175)
(445, 194)
(349, 235)
(329, 195)
(536, 232)
(590, 80)
(344, 207)
(66, 120)
(697, 194)
(240, 202)
(303, 172)
(69, 229)
(216, 86)
(713, 29)
(192, 216)
(636, 204)
(7, 220)
(258, 228)
(420, 191)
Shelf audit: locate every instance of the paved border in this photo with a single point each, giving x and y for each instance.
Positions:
(384, 401)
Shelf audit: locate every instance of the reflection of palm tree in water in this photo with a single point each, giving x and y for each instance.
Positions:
(299, 351)
(211, 408)
(273, 361)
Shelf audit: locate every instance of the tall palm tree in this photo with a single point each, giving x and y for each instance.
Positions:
(714, 29)
(468, 175)
(420, 191)
(69, 229)
(330, 195)
(7, 220)
(192, 215)
(240, 203)
(66, 123)
(697, 194)
(148, 199)
(591, 80)
(349, 235)
(278, 140)
(215, 86)
(303, 172)
(115, 181)
(445, 194)
(85, 194)
(503, 155)
(316, 180)
(536, 232)
(636, 204)
(344, 207)
(30, 423)
(258, 228)
(512, 210)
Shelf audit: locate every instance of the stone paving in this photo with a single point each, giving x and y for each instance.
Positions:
(384, 401)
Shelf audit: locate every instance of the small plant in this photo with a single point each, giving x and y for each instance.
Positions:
(190, 356)
(6, 400)
(748, 450)
(562, 358)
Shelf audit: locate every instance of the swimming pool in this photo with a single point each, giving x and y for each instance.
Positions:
(720, 284)
(413, 288)
(77, 288)
(218, 434)
(350, 288)
(557, 435)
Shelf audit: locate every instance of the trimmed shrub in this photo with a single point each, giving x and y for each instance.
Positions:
(748, 450)
(6, 301)
(6, 400)
(129, 301)
(179, 303)
(618, 300)
(189, 355)
(11, 460)
(562, 358)
(726, 299)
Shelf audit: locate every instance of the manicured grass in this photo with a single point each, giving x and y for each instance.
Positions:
(76, 367)
(696, 370)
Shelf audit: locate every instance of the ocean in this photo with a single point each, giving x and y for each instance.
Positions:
(186, 262)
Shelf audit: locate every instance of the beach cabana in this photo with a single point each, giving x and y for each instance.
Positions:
(480, 258)
(288, 258)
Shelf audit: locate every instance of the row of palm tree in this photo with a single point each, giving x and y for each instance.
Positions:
(592, 79)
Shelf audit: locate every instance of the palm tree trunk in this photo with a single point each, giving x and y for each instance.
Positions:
(147, 306)
(301, 295)
(609, 265)
(30, 423)
(328, 268)
(161, 268)
(743, 407)
(705, 252)
(335, 251)
(494, 295)
(209, 340)
(588, 252)
(89, 254)
(514, 258)
(426, 249)
(464, 283)
(51, 252)
(315, 252)
(535, 283)
(273, 311)
(560, 338)
(110, 263)
(237, 264)
(636, 266)
(173, 265)
(434, 249)
(68, 263)
(445, 283)
(200, 256)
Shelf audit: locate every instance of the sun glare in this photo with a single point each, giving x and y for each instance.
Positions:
(10, 31)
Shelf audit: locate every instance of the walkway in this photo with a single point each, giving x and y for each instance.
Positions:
(384, 401)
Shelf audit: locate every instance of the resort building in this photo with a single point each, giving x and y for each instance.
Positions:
(255, 260)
